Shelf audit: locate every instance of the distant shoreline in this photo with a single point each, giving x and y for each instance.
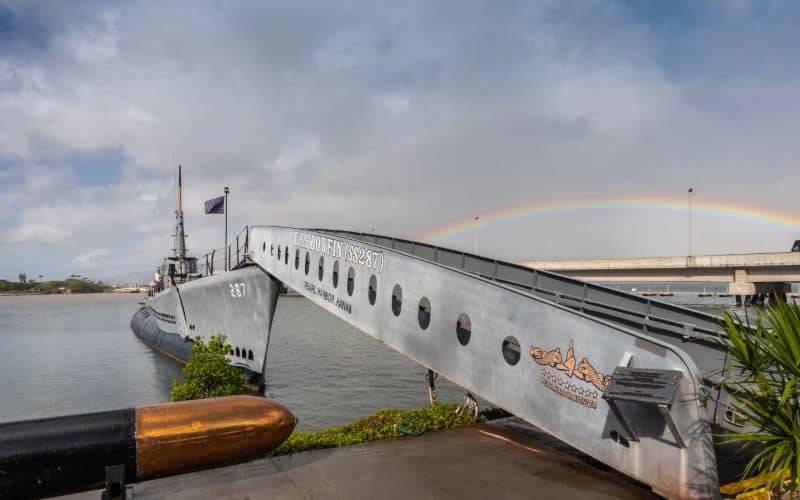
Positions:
(53, 287)
(24, 294)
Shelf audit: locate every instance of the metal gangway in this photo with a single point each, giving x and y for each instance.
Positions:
(626, 379)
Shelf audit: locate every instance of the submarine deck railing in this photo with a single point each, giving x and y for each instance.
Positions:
(234, 254)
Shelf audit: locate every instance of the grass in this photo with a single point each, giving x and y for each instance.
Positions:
(386, 424)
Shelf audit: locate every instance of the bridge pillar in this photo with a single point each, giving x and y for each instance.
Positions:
(740, 285)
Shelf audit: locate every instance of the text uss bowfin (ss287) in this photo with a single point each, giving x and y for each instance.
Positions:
(338, 249)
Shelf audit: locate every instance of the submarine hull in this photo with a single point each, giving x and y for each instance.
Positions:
(239, 304)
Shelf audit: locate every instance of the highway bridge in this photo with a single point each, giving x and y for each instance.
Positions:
(747, 275)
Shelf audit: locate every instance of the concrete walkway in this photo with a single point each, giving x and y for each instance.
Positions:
(502, 459)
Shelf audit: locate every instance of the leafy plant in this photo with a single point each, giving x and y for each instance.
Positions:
(383, 425)
(207, 373)
(762, 377)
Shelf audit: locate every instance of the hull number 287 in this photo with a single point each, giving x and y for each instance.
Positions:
(237, 290)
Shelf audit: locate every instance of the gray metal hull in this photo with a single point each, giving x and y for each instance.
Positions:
(239, 304)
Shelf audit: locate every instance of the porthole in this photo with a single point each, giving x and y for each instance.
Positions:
(250, 355)
(308, 262)
(321, 270)
(351, 281)
(511, 351)
(424, 313)
(397, 300)
(463, 329)
(372, 293)
(286, 255)
(335, 275)
(297, 259)
(237, 353)
(279, 254)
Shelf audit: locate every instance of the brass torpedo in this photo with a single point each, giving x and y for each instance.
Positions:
(59, 455)
(190, 435)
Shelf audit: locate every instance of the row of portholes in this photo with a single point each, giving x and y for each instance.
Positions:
(510, 347)
(242, 353)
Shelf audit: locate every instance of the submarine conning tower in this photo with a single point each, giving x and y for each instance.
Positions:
(180, 237)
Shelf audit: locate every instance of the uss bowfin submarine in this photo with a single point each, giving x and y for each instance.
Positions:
(184, 302)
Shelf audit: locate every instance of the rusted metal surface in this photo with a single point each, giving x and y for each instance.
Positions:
(192, 435)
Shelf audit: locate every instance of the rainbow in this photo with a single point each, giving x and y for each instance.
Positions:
(676, 205)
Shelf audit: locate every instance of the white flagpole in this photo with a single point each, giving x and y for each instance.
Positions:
(227, 253)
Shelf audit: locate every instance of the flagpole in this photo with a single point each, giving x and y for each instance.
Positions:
(227, 255)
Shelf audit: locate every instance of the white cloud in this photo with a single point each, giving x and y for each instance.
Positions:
(299, 151)
(90, 257)
(93, 43)
(38, 234)
(402, 117)
(393, 103)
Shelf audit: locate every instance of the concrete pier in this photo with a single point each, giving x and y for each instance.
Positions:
(502, 459)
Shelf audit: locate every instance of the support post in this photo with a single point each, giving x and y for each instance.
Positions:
(431, 376)
(227, 251)
(115, 483)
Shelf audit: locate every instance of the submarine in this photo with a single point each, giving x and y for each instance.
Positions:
(184, 302)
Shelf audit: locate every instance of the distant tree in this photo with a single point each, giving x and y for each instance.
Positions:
(23, 278)
(207, 373)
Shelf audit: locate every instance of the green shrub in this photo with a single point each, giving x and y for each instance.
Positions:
(207, 373)
(762, 377)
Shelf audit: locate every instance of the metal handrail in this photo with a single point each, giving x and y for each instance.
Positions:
(234, 254)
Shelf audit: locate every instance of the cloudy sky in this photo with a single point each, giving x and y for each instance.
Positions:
(401, 117)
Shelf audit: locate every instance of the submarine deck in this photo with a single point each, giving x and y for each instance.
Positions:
(501, 459)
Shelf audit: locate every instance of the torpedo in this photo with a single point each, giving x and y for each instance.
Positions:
(58, 455)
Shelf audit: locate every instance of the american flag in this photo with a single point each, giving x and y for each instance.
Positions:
(215, 205)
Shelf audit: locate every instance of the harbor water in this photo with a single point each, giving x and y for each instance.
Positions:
(67, 354)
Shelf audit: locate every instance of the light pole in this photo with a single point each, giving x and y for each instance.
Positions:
(691, 209)
(691, 190)
(227, 254)
(476, 235)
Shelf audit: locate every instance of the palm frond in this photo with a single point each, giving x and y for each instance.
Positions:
(761, 375)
